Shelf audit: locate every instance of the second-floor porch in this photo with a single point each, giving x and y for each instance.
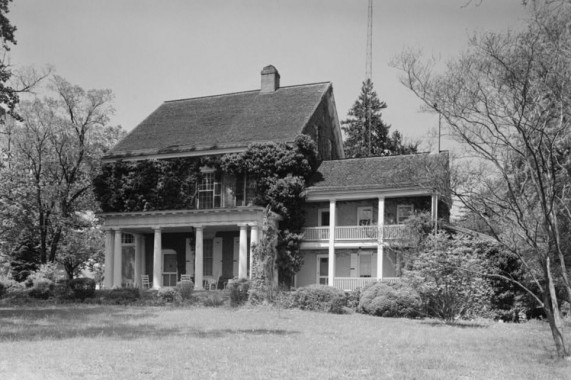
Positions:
(373, 233)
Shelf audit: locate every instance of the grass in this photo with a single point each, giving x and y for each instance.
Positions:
(117, 342)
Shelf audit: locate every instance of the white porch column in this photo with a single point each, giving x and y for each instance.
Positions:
(109, 242)
(254, 238)
(117, 261)
(198, 258)
(331, 259)
(381, 238)
(157, 256)
(243, 253)
(138, 259)
(434, 210)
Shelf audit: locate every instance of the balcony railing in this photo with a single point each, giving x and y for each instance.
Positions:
(390, 232)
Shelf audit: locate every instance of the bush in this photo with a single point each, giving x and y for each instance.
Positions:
(2, 289)
(42, 289)
(171, 295)
(238, 291)
(319, 298)
(185, 289)
(353, 298)
(390, 300)
(213, 299)
(82, 287)
(119, 296)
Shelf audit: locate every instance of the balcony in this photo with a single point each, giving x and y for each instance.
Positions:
(391, 232)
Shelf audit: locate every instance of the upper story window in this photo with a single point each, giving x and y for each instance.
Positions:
(209, 191)
(323, 217)
(403, 213)
(364, 216)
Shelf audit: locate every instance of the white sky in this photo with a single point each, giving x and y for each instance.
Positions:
(148, 51)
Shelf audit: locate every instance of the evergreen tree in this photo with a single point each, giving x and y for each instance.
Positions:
(366, 133)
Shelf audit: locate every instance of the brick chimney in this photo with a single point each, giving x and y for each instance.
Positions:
(270, 79)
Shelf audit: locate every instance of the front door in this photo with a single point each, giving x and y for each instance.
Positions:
(169, 267)
(322, 269)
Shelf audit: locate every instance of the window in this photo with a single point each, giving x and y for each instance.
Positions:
(240, 190)
(364, 216)
(365, 267)
(403, 212)
(127, 239)
(209, 191)
(323, 217)
(208, 256)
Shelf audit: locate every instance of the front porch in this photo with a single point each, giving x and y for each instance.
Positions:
(207, 245)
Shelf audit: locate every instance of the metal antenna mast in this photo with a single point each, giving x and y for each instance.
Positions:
(369, 65)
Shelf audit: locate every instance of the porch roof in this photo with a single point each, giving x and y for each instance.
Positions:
(405, 172)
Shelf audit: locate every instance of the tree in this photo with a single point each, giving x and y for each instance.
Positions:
(507, 99)
(54, 153)
(367, 134)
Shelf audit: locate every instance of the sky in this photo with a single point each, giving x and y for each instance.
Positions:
(147, 51)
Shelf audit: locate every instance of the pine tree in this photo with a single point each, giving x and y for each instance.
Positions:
(366, 133)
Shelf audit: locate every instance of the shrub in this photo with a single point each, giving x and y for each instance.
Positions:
(2, 288)
(82, 287)
(119, 296)
(213, 299)
(185, 289)
(319, 298)
(390, 300)
(353, 298)
(169, 295)
(238, 291)
(42, 289)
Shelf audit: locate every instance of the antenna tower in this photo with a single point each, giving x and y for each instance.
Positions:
(369, 63)
(369, 66)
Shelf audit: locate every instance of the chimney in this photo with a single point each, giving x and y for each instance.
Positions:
(270, 79)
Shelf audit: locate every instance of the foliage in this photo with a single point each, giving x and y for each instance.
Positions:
(282, 173)
(118, 296)
(42, 289)
(507, 100)
(168, 294)
(52, 156)
(149, 185)
(79, 247)
(3, 288)
(390, 300)
(264, 260)
(213, 299)
(448, 275)
(8, 95)
(239, 290)
(185, 288)
(366, 133)
(25, 259)
(82, 287)
(319, 298)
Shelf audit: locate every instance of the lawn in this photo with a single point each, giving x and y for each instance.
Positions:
(118, 342)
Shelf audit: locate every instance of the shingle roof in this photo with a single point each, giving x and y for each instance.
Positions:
(223, 121)
(392, 172)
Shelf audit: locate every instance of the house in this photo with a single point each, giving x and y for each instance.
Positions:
(354, 209)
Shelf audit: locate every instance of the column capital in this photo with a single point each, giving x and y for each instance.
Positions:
(243, 226)
(156, 228)
(199, 228)
(381, 197)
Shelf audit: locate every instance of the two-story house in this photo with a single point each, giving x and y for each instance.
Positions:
(354, 208)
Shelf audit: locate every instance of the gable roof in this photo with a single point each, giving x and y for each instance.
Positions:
(223, 121)
(425, 171)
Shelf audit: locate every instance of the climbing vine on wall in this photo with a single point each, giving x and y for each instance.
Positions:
(280, 171)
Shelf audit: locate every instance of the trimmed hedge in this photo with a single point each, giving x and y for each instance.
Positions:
(390, 300)
(169, 295)
(319, 298)
(42, 289)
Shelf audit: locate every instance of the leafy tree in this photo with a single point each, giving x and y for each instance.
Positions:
(53, 154)
(366, 133)
(507, 99)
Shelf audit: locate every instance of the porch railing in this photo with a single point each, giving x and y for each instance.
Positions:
(352, 283)
(390, 232)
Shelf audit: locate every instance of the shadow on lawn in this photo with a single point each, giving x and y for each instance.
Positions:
(29, 324)
(461, 325)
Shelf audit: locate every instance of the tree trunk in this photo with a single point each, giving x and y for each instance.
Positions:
(551, 308)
